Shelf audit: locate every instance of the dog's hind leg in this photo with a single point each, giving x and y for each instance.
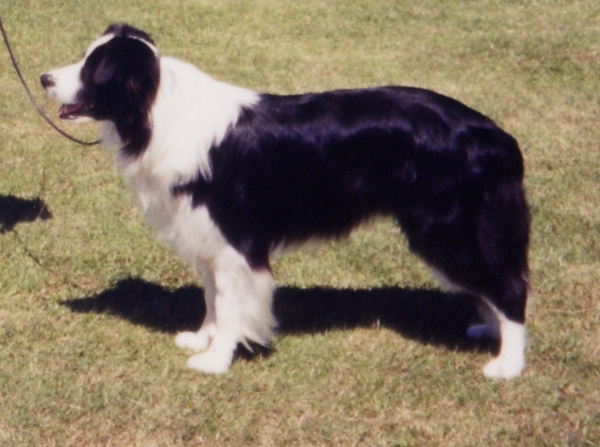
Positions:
(483, 251)
(509, 332)
(200, 340)
(242, 310)
(503, 236)
(504, 320)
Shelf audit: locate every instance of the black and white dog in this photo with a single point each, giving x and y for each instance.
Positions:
(229, 177)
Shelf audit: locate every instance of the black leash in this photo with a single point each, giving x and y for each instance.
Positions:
(34, 102)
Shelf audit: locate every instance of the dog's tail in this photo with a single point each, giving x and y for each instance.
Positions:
(469, 219)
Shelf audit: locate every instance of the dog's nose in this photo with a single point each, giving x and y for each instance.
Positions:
(47, 80)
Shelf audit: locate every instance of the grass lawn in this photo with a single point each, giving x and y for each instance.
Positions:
(90, 302)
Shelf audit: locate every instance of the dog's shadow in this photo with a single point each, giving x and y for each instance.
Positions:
(430, 316)
(14, 210)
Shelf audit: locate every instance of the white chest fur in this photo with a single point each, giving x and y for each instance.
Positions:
(192, 112)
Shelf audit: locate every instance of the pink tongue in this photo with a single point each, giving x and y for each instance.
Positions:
(67, 111)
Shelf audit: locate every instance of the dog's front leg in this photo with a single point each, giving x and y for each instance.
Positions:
(239, 313)
(200, 340)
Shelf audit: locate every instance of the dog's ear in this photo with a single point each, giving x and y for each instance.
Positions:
(104, 72)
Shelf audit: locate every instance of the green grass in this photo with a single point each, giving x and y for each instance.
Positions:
(73, 376)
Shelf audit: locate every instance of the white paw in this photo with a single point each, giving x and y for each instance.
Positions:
(211, 362)
(194, 341)
(502, 368)
(482, 331)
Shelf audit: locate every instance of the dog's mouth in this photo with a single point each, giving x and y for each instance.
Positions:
(73, 111)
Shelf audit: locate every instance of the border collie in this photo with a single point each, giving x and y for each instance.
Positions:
(229, 177)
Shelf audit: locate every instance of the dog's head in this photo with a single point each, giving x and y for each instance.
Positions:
(116, 81)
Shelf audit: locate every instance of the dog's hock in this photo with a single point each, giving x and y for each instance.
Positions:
(482, 331)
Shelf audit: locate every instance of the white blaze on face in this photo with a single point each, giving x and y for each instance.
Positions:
(66, 83)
